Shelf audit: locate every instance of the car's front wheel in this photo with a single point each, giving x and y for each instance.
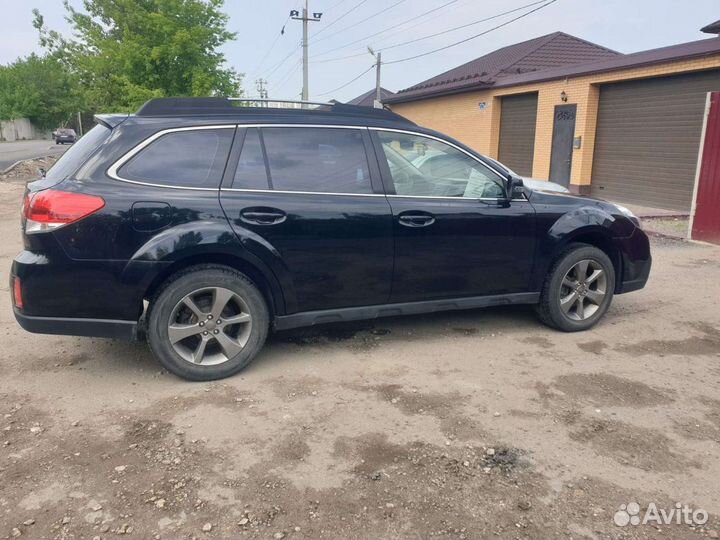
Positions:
(578, 289)
(208, 322)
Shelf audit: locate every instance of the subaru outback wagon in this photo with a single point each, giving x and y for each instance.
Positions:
(202, 224)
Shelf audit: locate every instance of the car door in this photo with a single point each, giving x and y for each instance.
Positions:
(308, 202)
(456, 234)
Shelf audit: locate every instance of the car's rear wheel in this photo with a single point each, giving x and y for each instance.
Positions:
(578, 289)
(207, 322)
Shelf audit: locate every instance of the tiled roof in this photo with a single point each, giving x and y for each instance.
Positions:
(537, 54)
(693, 49)
(712, 28)
(368, 98)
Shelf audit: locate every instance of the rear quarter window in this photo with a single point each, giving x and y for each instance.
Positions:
(78, 153)
(192, 158)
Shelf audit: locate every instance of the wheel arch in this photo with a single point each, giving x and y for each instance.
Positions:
(267, 285)
(598, 237)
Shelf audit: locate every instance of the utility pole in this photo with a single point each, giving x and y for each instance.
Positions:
(378, 62)
(294, 14)
(79, 123)
(378, 97)
(260, 85)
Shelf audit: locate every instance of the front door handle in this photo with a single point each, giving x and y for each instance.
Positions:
(262, 216)
(416, 219)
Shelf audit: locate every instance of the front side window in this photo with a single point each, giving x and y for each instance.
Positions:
(193, 158)
(424, 167)
(330, 160)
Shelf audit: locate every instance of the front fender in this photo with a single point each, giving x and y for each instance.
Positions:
(584, 221)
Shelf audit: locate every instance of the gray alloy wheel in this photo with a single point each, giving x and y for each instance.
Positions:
(207, 322)
(583, 290)
(209, 326)
(578, 288)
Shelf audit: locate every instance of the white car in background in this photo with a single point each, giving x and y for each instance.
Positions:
(532, 183)
(426, 160)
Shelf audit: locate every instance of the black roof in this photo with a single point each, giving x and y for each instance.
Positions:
(216, 106)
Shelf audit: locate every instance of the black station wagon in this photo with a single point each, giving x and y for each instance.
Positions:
(205, 223)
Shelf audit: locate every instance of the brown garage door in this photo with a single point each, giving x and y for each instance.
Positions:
(517, 132)
(647, 140)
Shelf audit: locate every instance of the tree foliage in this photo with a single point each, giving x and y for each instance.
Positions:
(125, 52)
(38, 88)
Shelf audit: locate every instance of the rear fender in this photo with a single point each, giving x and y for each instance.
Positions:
(206, 241)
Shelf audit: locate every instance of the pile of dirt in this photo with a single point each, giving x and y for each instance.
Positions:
(29, 169)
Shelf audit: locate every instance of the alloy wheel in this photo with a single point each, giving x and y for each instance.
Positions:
(583, 290)
(209, 326)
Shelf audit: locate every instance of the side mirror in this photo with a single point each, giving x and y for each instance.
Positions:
(42, 172)
(515, 187)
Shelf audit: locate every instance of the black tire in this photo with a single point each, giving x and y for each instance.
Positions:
(549, 309)
(196, 280)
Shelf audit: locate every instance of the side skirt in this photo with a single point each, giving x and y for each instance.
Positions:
(310, 318)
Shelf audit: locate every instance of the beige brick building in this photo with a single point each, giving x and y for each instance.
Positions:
(621, 126)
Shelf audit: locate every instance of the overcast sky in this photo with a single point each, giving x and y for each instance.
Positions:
(623, 25)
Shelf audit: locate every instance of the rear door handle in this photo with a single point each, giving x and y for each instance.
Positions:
(262, 216)
(416, 220)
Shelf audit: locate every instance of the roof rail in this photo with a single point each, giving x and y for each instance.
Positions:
(298, 104)
(207, 106)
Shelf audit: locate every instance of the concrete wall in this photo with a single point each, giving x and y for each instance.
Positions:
(20, 129)
(461, 117)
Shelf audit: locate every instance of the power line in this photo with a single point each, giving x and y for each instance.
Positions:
(388, 28)
(336, 4)
(339, 58)
(395, 45)
(285, 59)
(347, 83)
(348, 12)
(472, 37)
(463, 26)
(277, 38)
(293, 70)
(272, 46)
(360, 21)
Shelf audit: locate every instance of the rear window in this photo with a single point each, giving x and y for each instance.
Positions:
(194, 158)
(78, 153)
(330, 160)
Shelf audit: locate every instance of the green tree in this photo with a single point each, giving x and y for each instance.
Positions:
(38, 88)
(125, 52)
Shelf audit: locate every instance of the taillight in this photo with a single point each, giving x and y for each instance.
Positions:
(17, 293)
(49, 209)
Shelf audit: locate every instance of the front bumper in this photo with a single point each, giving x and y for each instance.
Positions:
(636, 262)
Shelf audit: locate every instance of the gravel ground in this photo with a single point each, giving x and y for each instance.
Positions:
(30, 168)
(669, 226)
(461, 425)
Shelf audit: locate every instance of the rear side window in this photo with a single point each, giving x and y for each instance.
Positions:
(78, 153)
(193, 158)
(330, 160)
(251, 172)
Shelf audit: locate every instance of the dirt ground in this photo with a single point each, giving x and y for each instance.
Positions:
(460, 425)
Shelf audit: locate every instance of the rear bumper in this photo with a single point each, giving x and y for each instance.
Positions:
(78, 327)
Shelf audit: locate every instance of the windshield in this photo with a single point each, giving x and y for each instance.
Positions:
(78, 153)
